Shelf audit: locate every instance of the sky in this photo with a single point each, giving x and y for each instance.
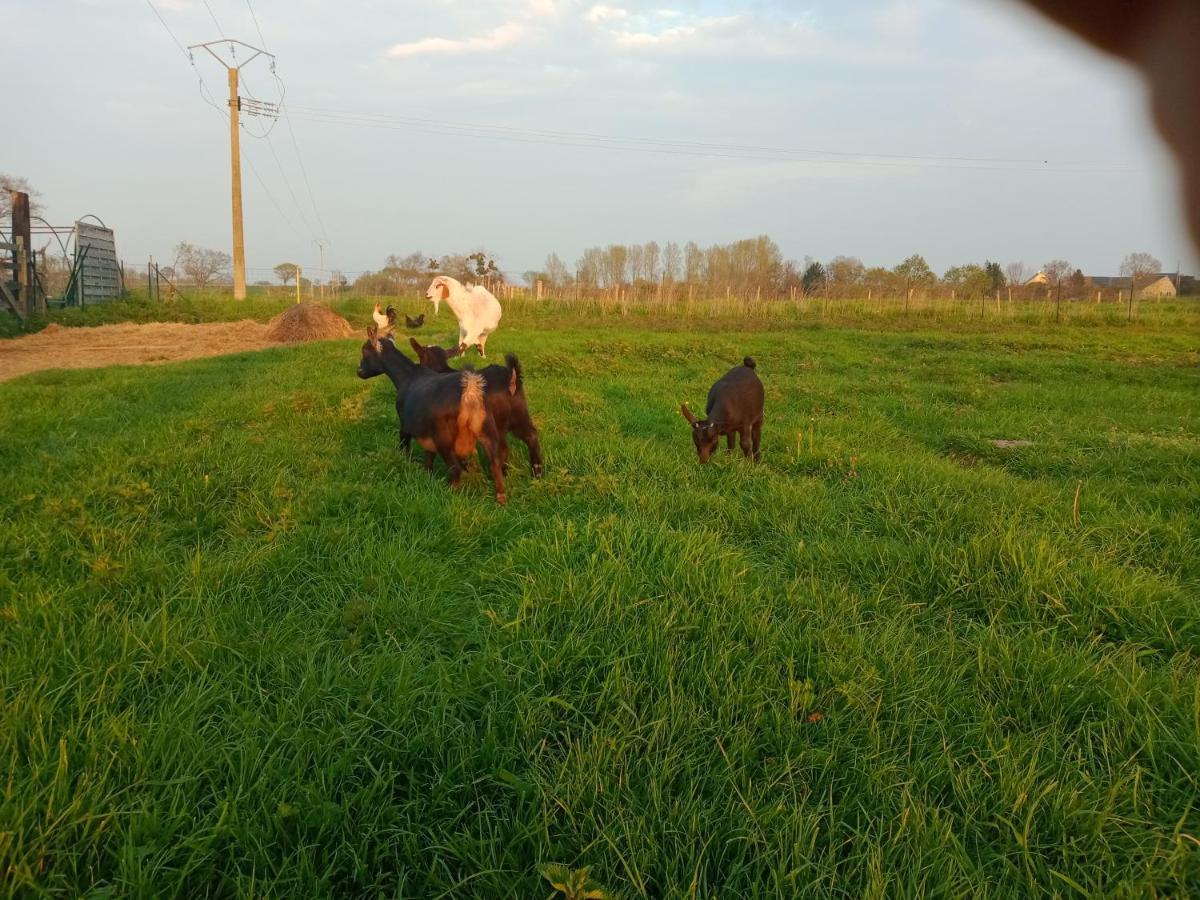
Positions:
(963, 130)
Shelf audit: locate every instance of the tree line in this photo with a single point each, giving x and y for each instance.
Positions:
(756, 268)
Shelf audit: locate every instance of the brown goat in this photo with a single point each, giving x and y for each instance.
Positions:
(735, 406)
(446, 414)
(504, 395)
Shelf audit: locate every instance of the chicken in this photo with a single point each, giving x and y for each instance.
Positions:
(380, 319)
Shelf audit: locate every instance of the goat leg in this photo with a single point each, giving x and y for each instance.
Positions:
(491, 440)
(528, 435)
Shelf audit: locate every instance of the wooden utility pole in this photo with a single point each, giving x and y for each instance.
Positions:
(235, 154)
(235, 169)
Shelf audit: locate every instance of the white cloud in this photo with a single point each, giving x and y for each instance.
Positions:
(675, 34)
(501, 36)
(601, 13)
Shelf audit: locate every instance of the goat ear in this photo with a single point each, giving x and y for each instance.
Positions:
(373, 331)
(445, 290)
(454, 351)
(687, 414)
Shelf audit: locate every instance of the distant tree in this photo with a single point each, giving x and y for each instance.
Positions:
(616, 259)
(589, 268)
(635, 263)
(15, 183)
(966, 281)
(914, 273)
(693, 263)
(1137, 267)
(995, 275)
(200, 265)
(286, 272)
(672, 261)
(1078, 282)
(1057, 271)
(1016, 273)
(878, 280)
(791, 278)
(651, 255)
(557, 273)
(845, 273)
(813, 278)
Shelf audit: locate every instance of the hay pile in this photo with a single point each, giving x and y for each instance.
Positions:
(307, 322)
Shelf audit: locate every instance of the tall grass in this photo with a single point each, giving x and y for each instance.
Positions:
(248, 649)
(886, 312)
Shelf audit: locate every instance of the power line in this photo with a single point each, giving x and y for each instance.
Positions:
(587, 140)
(158, 15)
(288, 184)
(303, 171)
(257, 27)
(214, 18)
(292, 134)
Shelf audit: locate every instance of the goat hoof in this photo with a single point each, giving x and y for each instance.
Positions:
(502, 499)
(537, 471)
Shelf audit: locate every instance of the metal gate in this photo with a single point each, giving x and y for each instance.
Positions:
(99, 276)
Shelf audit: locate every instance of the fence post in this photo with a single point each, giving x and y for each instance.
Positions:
(299, 273)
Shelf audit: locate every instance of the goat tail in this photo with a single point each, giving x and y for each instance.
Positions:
(749, 362)
(471, 414)
(513, 363)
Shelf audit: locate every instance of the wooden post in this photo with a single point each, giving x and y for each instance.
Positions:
(21, 243)
(299, 271)
(235, 159)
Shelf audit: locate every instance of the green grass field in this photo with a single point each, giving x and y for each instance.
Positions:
(247, 649)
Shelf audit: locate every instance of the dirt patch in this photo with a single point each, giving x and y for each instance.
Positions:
(1006, 444)
(55, 347)
(307, 322)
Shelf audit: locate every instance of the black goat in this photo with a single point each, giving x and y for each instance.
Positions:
(504, 394)
(444, 413)
(414, 323)
(735, 406)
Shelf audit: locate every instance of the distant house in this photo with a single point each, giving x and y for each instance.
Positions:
(1155, 287)
(1039, 278)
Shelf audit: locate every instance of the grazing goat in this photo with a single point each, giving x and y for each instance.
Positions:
(735, 406)
(443, 413)
(504, 394)
(414, 323)
(477, 311)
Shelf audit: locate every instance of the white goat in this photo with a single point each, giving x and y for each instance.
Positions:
(477, 311)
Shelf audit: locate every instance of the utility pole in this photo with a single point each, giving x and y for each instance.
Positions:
(321, 249)
(253, 107)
